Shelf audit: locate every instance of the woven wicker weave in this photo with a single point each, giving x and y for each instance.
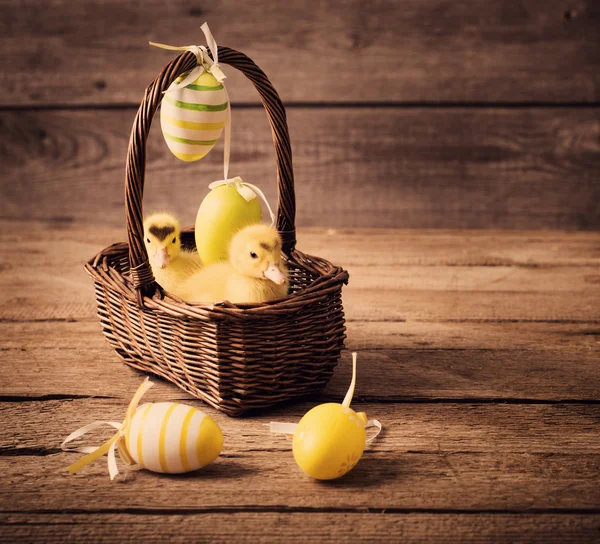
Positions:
(235, 357)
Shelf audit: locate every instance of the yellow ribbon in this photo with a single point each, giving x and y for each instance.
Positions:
(205, 63)
(109, 447)
(289, 429)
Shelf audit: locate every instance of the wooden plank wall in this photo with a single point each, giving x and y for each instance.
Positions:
(403, 113)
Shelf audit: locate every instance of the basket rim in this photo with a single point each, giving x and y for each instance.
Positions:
(330, 278)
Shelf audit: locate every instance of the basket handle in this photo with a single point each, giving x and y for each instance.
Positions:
(141, 272)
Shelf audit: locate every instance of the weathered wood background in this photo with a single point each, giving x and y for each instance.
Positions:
(479, 349)
(403, 113)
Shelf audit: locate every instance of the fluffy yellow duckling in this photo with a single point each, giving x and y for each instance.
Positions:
(170, 264)
(255, 271)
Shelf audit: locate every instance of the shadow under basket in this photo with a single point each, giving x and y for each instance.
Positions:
(235, 357)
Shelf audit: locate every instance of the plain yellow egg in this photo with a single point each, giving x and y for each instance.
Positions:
(223, 212)
(329, 441)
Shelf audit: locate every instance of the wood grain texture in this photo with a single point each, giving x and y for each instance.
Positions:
(38, 427)
(444, 293)
(411, 375)
(368, 167)
(389, 335)
(463, 336)
(479, 351)
(488, 393)
(530, 50)
(360, 303)
(34, 242)
(462, 481)
(300, 527)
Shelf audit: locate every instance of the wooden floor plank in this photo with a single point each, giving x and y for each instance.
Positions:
(490, 399)
(462, 481)
(58, 241)
(409, 51)
(43, 303)
(44, 279)
(296, 527)
(487, 247)
(38, 427)
(471, 306)
(422, 375)
(367, 167)
(456, 335)
(370, 335)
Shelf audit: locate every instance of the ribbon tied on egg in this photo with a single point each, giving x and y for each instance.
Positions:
(330, 439)
(195, 109)
(165, 437)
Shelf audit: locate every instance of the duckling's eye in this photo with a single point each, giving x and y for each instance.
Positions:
(148, 240)
(174, 240)
(253, 255)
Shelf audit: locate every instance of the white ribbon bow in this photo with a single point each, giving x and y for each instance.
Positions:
(205, 64)
(110, 446)
(247, 190)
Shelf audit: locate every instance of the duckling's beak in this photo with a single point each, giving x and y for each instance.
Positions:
(274, 274)
(162, 257)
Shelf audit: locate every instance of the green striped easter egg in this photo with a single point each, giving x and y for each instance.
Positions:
(192, 119)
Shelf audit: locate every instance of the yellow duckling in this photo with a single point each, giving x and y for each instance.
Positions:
(255, 271)
(170, 264)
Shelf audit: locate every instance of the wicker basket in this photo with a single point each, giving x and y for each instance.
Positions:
(236, 357)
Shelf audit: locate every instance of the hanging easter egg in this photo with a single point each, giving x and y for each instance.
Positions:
(172, 438)
(163, 437)
(330, 439)
(192, 118)
(223, 212)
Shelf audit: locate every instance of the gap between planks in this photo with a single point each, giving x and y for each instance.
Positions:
(321, 397)
(290, 105)
(282, 508)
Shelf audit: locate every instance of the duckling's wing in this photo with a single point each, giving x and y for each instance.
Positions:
(207, 285)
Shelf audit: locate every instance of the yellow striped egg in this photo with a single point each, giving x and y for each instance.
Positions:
(172, 438)
(192, 119)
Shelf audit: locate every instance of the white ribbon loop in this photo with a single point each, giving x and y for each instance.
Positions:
(84, 430)
(205, 63)
(278, 427)
(373, 423)
(289, 429)
(247, 190)
(116, 441)
(212, 44)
